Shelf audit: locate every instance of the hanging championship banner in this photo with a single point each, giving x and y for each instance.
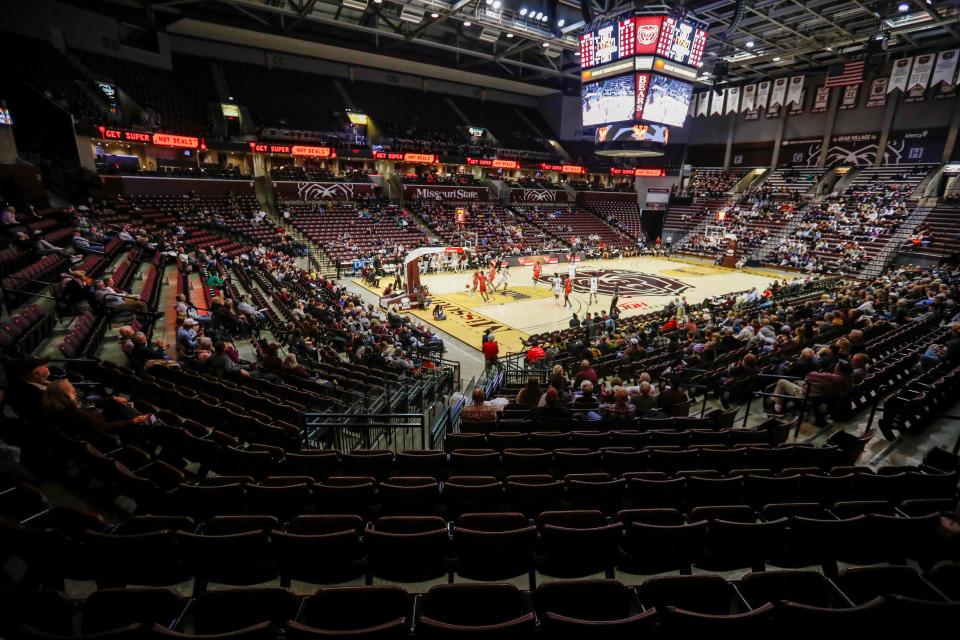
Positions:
(899, 74)
(749, 97)
(779, 92)
(703, 103)
(878, 93)
(795, 91)
(945, 69)
(945, 91)
(919, 78)
(733, 99)
(716, 102)
(849, 98)
(763, 93)
(821, 100)
(796, 108)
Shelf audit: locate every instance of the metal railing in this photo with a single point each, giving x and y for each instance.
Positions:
(348, 431)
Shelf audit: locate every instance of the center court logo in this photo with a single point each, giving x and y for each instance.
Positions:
(631, 283)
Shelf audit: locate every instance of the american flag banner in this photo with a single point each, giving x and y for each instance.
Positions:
(845, 74)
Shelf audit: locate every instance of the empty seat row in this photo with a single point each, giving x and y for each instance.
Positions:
(859, 599)
(331, 549)
(289, 496)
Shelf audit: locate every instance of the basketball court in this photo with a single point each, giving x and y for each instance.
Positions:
(643, 284)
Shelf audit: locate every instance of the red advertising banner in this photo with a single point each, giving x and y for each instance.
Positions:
(396, 156)
(163, 139)
(312, 191)
(496, 163)
(536, 196)
(445, 194)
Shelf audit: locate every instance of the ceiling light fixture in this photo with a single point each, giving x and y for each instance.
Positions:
(544, 18)
(561, 22)
(903, 7)
(523, 11)
(434, 15)
(546, 44)
(509, 35)
(776, 59)
(749, 44)
(467, 23)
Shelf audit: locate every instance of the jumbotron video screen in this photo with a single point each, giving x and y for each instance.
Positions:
(667, 101)
(607, 101)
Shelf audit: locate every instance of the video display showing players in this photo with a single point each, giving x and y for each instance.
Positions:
(667, 100)
(611, 100)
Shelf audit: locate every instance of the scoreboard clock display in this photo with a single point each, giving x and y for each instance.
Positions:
(608, 43)
(680, 40)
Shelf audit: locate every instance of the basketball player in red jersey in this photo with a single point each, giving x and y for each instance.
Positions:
(476, 281)
(482, 280)
(537, 269)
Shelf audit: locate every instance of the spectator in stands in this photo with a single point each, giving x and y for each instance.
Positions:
(552, 407)
(535, 354)
(585, 399)
(215, 281)
(253, 315)
(530, 395)
(644, 397)
(586, 373)
(43, 247)
(84, 245)
(186, 337)
(621, 406)
(674, 399)
(143, 352)
(222, 365)
(294, 368)
(185, 308)
(62, 406)
(823, 386)
(117, 299)
(27, 382)
(9, 217)
(272, 361)
(479, 411)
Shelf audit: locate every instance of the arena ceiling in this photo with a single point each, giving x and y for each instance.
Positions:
(510, 39)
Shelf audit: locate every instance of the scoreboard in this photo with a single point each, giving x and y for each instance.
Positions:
(607, 43)
(637, 75)
(680, 40)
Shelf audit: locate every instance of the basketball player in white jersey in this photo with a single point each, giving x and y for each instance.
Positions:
(594, 285)
(557, 289)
